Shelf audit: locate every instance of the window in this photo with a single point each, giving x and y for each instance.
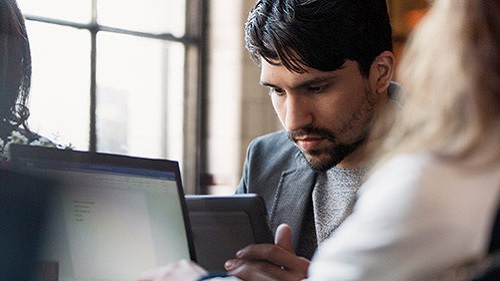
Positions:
(119, 76)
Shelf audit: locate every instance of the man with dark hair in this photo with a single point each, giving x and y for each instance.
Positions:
(328, 65)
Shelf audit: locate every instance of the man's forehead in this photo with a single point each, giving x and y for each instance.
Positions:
(274, 72)
(278, 62)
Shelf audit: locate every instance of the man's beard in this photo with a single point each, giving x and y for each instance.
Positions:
(324, 159)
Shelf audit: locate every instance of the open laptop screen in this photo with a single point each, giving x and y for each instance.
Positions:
(114, 217)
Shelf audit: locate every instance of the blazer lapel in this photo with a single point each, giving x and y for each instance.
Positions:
(293, 197)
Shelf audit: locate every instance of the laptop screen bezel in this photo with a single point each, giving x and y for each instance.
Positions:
(20, 153)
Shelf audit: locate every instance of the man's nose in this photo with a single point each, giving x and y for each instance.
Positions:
(298, 112)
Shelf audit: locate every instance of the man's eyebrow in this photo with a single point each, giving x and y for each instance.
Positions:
(302, 84)
(266, 84)
(328, 77)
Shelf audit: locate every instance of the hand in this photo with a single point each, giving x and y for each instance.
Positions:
(267, 262)
(182, 270)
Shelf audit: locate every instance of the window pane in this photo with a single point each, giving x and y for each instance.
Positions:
(59, 99)
(70, 10)
(156, 16)
(134, 76)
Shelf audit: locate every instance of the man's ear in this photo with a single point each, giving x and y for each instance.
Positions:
(382, 71)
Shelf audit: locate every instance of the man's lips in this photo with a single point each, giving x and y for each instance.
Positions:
(309, 143)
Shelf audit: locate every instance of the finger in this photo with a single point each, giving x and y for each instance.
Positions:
(233, 264)
(272, 254)
(252, 270)
(283, 237)
(268, 252)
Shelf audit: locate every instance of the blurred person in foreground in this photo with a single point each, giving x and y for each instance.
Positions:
(432, 201)
(15, 81)
(429, 204)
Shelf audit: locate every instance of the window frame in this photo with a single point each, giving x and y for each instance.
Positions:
(194, 41)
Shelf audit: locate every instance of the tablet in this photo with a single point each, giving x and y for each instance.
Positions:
(222, 225)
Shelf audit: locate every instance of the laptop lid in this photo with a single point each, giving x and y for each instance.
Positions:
(114, 216)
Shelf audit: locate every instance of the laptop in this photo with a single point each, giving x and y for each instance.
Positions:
(23, 201)
(114, 216)
(222, 225)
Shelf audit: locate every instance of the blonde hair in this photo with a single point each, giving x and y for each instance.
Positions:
(451, 74)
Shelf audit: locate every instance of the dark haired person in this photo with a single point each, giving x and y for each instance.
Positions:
(15, 80)
(328, 65)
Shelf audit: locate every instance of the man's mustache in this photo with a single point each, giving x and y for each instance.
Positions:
(310, 130)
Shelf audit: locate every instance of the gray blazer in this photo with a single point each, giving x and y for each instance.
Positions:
(277, 170)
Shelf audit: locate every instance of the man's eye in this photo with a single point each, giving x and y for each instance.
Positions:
(316, 89)
(276, 91)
